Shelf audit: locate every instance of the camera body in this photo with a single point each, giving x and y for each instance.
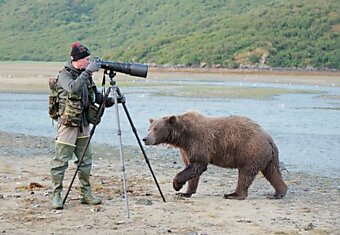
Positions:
(133, 69)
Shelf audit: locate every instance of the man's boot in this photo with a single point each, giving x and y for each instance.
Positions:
(63, 153)
(84, 172)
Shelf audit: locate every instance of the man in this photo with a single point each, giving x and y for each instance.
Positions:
(76, 93)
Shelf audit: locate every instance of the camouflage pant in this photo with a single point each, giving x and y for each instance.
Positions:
(69, 141)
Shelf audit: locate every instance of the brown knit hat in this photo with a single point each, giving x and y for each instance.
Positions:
(79, 51)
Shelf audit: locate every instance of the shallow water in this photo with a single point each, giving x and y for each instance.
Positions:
(305, 126)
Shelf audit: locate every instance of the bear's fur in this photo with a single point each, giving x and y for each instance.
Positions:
(230, 142)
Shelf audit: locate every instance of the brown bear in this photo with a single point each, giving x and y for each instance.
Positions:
(229, 142)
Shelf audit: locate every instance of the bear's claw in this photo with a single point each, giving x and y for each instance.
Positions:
(184, 194)
(234, 196)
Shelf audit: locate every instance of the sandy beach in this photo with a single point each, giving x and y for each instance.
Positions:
(311, 205)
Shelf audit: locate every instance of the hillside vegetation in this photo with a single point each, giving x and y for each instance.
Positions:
(227, 33)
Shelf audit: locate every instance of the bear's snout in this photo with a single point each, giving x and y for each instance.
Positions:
(150, 140)
(147, 141)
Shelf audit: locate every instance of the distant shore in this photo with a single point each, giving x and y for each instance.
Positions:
(32, 77)
(248, 70)
(193, 69)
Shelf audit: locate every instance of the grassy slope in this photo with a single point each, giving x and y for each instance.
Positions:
(230, 32)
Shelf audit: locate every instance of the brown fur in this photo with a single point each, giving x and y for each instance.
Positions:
(229, 142)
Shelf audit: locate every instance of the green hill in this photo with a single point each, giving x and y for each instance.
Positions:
(227, 33)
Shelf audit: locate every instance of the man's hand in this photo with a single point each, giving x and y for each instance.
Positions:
(94, 66)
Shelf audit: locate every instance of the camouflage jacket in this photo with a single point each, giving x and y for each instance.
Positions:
(77, 84)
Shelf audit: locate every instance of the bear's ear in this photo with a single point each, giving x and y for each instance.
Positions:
(172, 119)
(151, 120)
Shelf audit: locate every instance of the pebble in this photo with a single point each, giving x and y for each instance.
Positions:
(95, 209)
(1, 196)
(309, 227)
(143, 201)
(120, 222)
(244, 221)
(47, 193)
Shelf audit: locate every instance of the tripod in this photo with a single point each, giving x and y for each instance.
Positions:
(114, 91)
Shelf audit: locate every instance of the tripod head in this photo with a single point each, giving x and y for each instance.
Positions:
(111, 74)
(113, 88)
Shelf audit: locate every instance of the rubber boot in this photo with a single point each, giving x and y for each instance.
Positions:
(59, 164)
(84, 172)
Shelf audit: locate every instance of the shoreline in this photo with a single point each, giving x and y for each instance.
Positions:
(242, 71)
(197, 69)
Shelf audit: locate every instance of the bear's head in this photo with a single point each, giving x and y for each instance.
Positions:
(161, 131)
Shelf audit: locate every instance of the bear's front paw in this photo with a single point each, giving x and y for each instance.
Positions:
(177, 185)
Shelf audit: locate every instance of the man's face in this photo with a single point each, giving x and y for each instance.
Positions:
(83, 63)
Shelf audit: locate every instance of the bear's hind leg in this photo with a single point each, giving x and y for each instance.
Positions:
(245, 179)
(273, 175)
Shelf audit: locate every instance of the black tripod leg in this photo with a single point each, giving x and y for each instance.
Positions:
(141, 147)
